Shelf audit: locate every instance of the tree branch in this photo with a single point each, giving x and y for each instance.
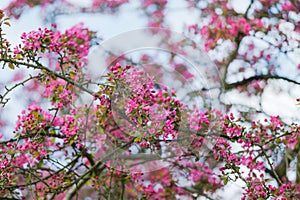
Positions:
(97, 168)
(41, 67)
(229, 86)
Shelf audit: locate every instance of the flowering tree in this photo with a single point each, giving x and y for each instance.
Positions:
(136, 139)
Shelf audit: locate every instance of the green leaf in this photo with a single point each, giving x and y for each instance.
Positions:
(40, 164)
(237, 168)
(11, 66)
(101, 130)
(36, 154)
(72, 74)
(67, 181)
(225, 180)
(17, 135)
(60, 88)
(7, 23)
(71, 142)
(47, 41)
(67, 158)
(18, 56)
(136, 140)
(12, 151)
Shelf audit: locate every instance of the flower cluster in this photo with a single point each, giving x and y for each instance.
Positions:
(109, 4)
(75, 149)
(33, 121)
(59, 93)
(70, 47)
(221, 28)
(155, 10)
(258, 145)
(16, 7)
(138, 104)
(38, 124)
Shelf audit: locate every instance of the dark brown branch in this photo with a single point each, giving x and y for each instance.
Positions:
(97, 168)
(45, 178)
(50, 72)
(8, 90)
(247, 11)
(32, 135)
(272, 171)
(229, 86)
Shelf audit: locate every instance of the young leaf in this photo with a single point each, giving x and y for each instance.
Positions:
(11, 66)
